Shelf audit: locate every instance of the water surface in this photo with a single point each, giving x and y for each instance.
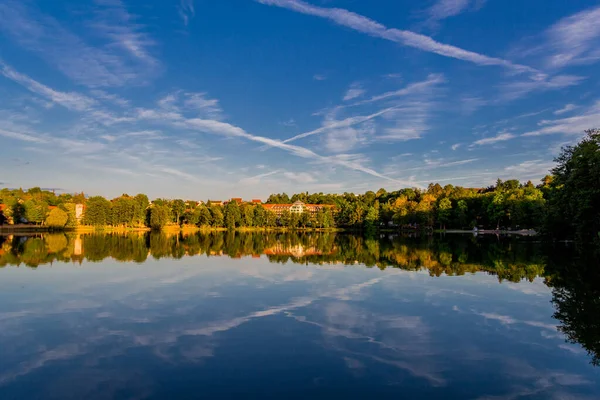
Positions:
(293, 316)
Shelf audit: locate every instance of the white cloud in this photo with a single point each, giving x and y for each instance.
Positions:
(575, 125)
(120, 54)
(353, 92)
(422, 87)
(532, 170)
(289, 122)
(70, 100)
(110, 98)
(407, 38)
(186, 11)
(515, 90)
(300, 177)
(442, 163)
(204, 105)
(501, 137)
(118, 25)
(253, 180)
(319, 77)
(443, 9)
(225, 129)
(574, 39)
(21, 136)
(345, 139)
(455, 146)
(332, 124)
(408, 114)
(565, 109)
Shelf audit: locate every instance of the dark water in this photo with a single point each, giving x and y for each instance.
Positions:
(296, 316)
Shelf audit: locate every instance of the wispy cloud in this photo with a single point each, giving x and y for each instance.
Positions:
(186, 11)
(370, 27)
(21, 136)
(120, 54)
(574, 39)
(319, 77)
(300, 177)
(408, 110)
(443, 163)
(70, 100)
(258, 178)
(517, 89)
(443, 9)
(501, 137)
(331, 124)
(532, 170)
(226, 129)
(110, 98)
(420, 87)
(354, 91)
(570, 126)
(567, 108)
(116, 24)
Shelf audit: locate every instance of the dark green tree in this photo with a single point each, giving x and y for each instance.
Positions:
(97, 212)
(160, 216)
(574, 195)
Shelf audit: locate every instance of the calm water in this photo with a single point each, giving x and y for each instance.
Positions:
(295, 316)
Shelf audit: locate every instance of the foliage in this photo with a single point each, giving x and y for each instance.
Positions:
(566, 204)
(57, 218)
(574, 191)
(160, 215)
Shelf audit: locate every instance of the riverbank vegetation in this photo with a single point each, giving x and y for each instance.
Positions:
(565, 204)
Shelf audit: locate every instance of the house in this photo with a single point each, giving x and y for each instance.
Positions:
(297, 207)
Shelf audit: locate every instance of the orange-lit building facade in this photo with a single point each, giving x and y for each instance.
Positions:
(296, 208)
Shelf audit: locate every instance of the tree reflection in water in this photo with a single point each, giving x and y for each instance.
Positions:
(573, 275)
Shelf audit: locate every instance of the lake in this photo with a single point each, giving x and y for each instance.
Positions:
(312, 315)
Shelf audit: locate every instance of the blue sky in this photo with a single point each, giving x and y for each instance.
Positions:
(216, 99)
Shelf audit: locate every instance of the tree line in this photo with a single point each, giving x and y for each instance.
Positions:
(452, 256)
(565, 204)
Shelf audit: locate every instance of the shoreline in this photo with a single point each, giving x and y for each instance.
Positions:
(187, 229)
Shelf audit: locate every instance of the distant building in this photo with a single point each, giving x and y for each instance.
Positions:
(215, 203)
(297, 207)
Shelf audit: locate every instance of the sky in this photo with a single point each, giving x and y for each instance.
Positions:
(213, 99)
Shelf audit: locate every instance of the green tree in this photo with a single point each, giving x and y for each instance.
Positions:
(247, 215)
(177, 209)
(574, 198)
(444, 211)
(217, 216)
(304, 219)
(98, 211)
(372, 217)
(259, 217)
(496, 209)
(57, 218)
(204, 215)
(69, 208)
(160, 216)
(141, 205)
(35, 210)
(232, 215)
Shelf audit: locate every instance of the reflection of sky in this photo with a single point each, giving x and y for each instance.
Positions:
(172, 327)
